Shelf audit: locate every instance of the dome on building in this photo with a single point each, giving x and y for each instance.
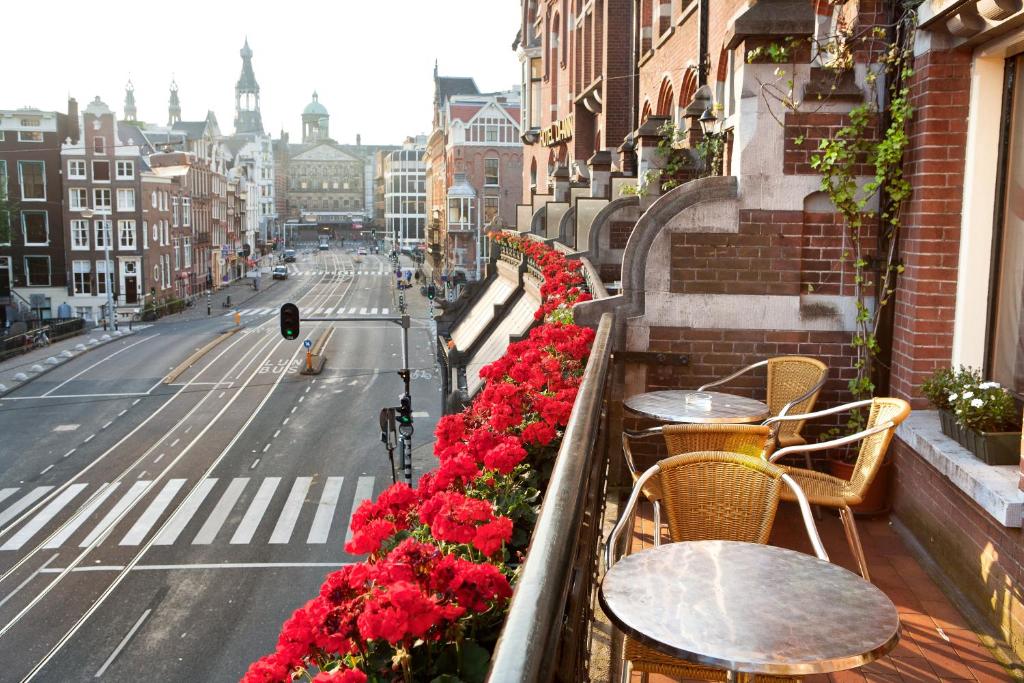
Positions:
(315, 107)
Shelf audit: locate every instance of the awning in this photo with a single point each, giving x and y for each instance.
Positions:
(517, 322)
(474, 322)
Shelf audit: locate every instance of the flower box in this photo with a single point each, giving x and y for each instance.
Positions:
(949, 426)
(993, 448)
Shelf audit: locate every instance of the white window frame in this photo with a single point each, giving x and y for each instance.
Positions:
(76, 270)
(107, 270)
(74, 164)
(186, 212)
(103, 227)
(177, 254)
(79, 228)
(24, 229)
(125, 193)
(49, 271)
(129, 166)
(188, 252)
(97, 193)
(21, 179)
(175, 206)
(126, 228)
(33, 136)
(78, 199)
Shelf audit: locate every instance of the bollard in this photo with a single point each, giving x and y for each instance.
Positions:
(309, 361)
(209, 311)
(238, 318)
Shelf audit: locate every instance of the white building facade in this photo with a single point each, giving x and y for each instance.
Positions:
(405, 194)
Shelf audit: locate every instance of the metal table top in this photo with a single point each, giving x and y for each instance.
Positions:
(749, 608)
(672, 406)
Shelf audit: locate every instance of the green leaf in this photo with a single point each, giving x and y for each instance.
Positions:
(474, 661)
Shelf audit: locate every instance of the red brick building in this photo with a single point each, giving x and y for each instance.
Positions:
(732, 269)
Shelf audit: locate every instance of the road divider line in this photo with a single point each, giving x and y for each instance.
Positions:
(195, 357)
(124, 641)
(104, 360)
(41, 570)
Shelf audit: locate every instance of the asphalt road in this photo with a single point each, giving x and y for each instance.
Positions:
(164, 531)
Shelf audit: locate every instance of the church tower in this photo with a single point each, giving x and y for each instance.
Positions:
(173, 106)
(247, 97)
(130, 114)
(315, 121)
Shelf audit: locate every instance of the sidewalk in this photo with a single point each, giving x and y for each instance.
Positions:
(239, 291)
(938, 643)
(20, 370)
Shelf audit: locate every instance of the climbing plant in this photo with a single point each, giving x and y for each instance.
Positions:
(873, 141)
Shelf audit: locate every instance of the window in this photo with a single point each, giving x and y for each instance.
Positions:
(101, 275)
(79, 234)
(3, 178)
(145, 235)
(186, 211)
(126, 234)
(491, 172)
(125, 170)
(156, 234)
(35, 228)
(98, 145)
(174, 211)
(32, 176)
(490, 209)
(152, 199)
(81, 271)
(37, 271)
(163, 201)
(76, 169)
(100, 199)
(125, 199)
(101, 170)
(30, 136)
(103, 234)
(1006, 345)
(188, 252)
(177, 254)
(78, 199)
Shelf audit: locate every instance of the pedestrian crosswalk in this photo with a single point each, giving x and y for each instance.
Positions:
(314, 311)
(377, 272)
(201, 513)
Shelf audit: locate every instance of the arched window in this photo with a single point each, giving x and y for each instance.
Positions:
(533, 173)
(666, 100)
(646, 111)
(688, 88)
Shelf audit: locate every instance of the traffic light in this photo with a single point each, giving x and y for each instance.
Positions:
(290, 321)
(431, 292)
(404, 413)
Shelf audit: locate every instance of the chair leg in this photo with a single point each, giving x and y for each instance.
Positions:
(853, 538)
(656, 518)
(815, 508)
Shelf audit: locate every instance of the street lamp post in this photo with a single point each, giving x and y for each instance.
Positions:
(107, 236)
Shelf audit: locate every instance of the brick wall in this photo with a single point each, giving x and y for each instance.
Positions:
(823, 269)
(619, 232)
(983, 558)
(762, 258)
(804, 130)
(929, 243)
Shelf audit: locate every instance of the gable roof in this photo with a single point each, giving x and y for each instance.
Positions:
(449, 86)
(324, 152)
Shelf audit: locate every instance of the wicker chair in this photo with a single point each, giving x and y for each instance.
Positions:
(753, 440)
(710, 496)
(824, 489)
(793, 386)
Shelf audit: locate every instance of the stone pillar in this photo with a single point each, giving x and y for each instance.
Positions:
(600, 164)
(649, 157)
(627, 157)
(560, 184)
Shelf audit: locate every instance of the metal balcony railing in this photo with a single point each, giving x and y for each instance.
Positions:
(546, 633)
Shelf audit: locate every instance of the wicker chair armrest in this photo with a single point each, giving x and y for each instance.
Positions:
(819, 413)
(825, 445)
(733, 376)
(805, 512)
(627, 450)
(803, 397)
(626, 516)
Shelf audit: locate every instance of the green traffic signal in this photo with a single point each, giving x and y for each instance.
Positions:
(290, 321)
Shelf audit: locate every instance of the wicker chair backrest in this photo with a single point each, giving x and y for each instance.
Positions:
(873, 448)
(753, 440)
(790, 377)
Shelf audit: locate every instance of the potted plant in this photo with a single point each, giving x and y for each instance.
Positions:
(987, 413)
(942, 388)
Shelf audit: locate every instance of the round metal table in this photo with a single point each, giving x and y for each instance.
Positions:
(672, 406)
(749, 608)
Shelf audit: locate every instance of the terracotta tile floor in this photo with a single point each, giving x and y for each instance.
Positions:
(937, 644)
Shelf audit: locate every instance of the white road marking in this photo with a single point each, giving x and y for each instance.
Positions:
(31, 576)
(110, 520)
(91, 505)
(220, 512)
(321, 528)
(70, 452)
(254, 463)
(8, 492)
(148, 518)
(99, 362)
(290, 512)
(124, 641)
(362, 311)
(257, 508)
(141, 474)
(89, 438)
(136, 401)
(42, 518)
(373, 311)
(188, 429)
(301, 399)
(173, 527)
(353, 311)
(107, 425)
(45, 470)
(294, 408)
(175, 443)
(222, 394)
(158, 458)
(286, 421)
(278, 432)
(66, 428)
(23, 502)
(121, 414)
(364, 491)
(307, 389)
(266, 448)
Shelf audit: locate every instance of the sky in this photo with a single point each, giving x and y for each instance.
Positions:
(370, 62)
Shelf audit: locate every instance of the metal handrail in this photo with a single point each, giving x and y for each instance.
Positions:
(534, 617)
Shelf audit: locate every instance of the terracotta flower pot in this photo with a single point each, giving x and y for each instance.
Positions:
(876, 500)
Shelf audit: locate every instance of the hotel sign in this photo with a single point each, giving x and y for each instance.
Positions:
(559, 131)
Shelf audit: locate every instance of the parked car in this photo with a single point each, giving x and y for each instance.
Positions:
(281, 272)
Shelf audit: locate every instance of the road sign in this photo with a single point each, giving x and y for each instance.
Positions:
(307, 343)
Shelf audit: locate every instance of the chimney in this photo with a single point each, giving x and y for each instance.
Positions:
(73, 131)
(359, 140)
